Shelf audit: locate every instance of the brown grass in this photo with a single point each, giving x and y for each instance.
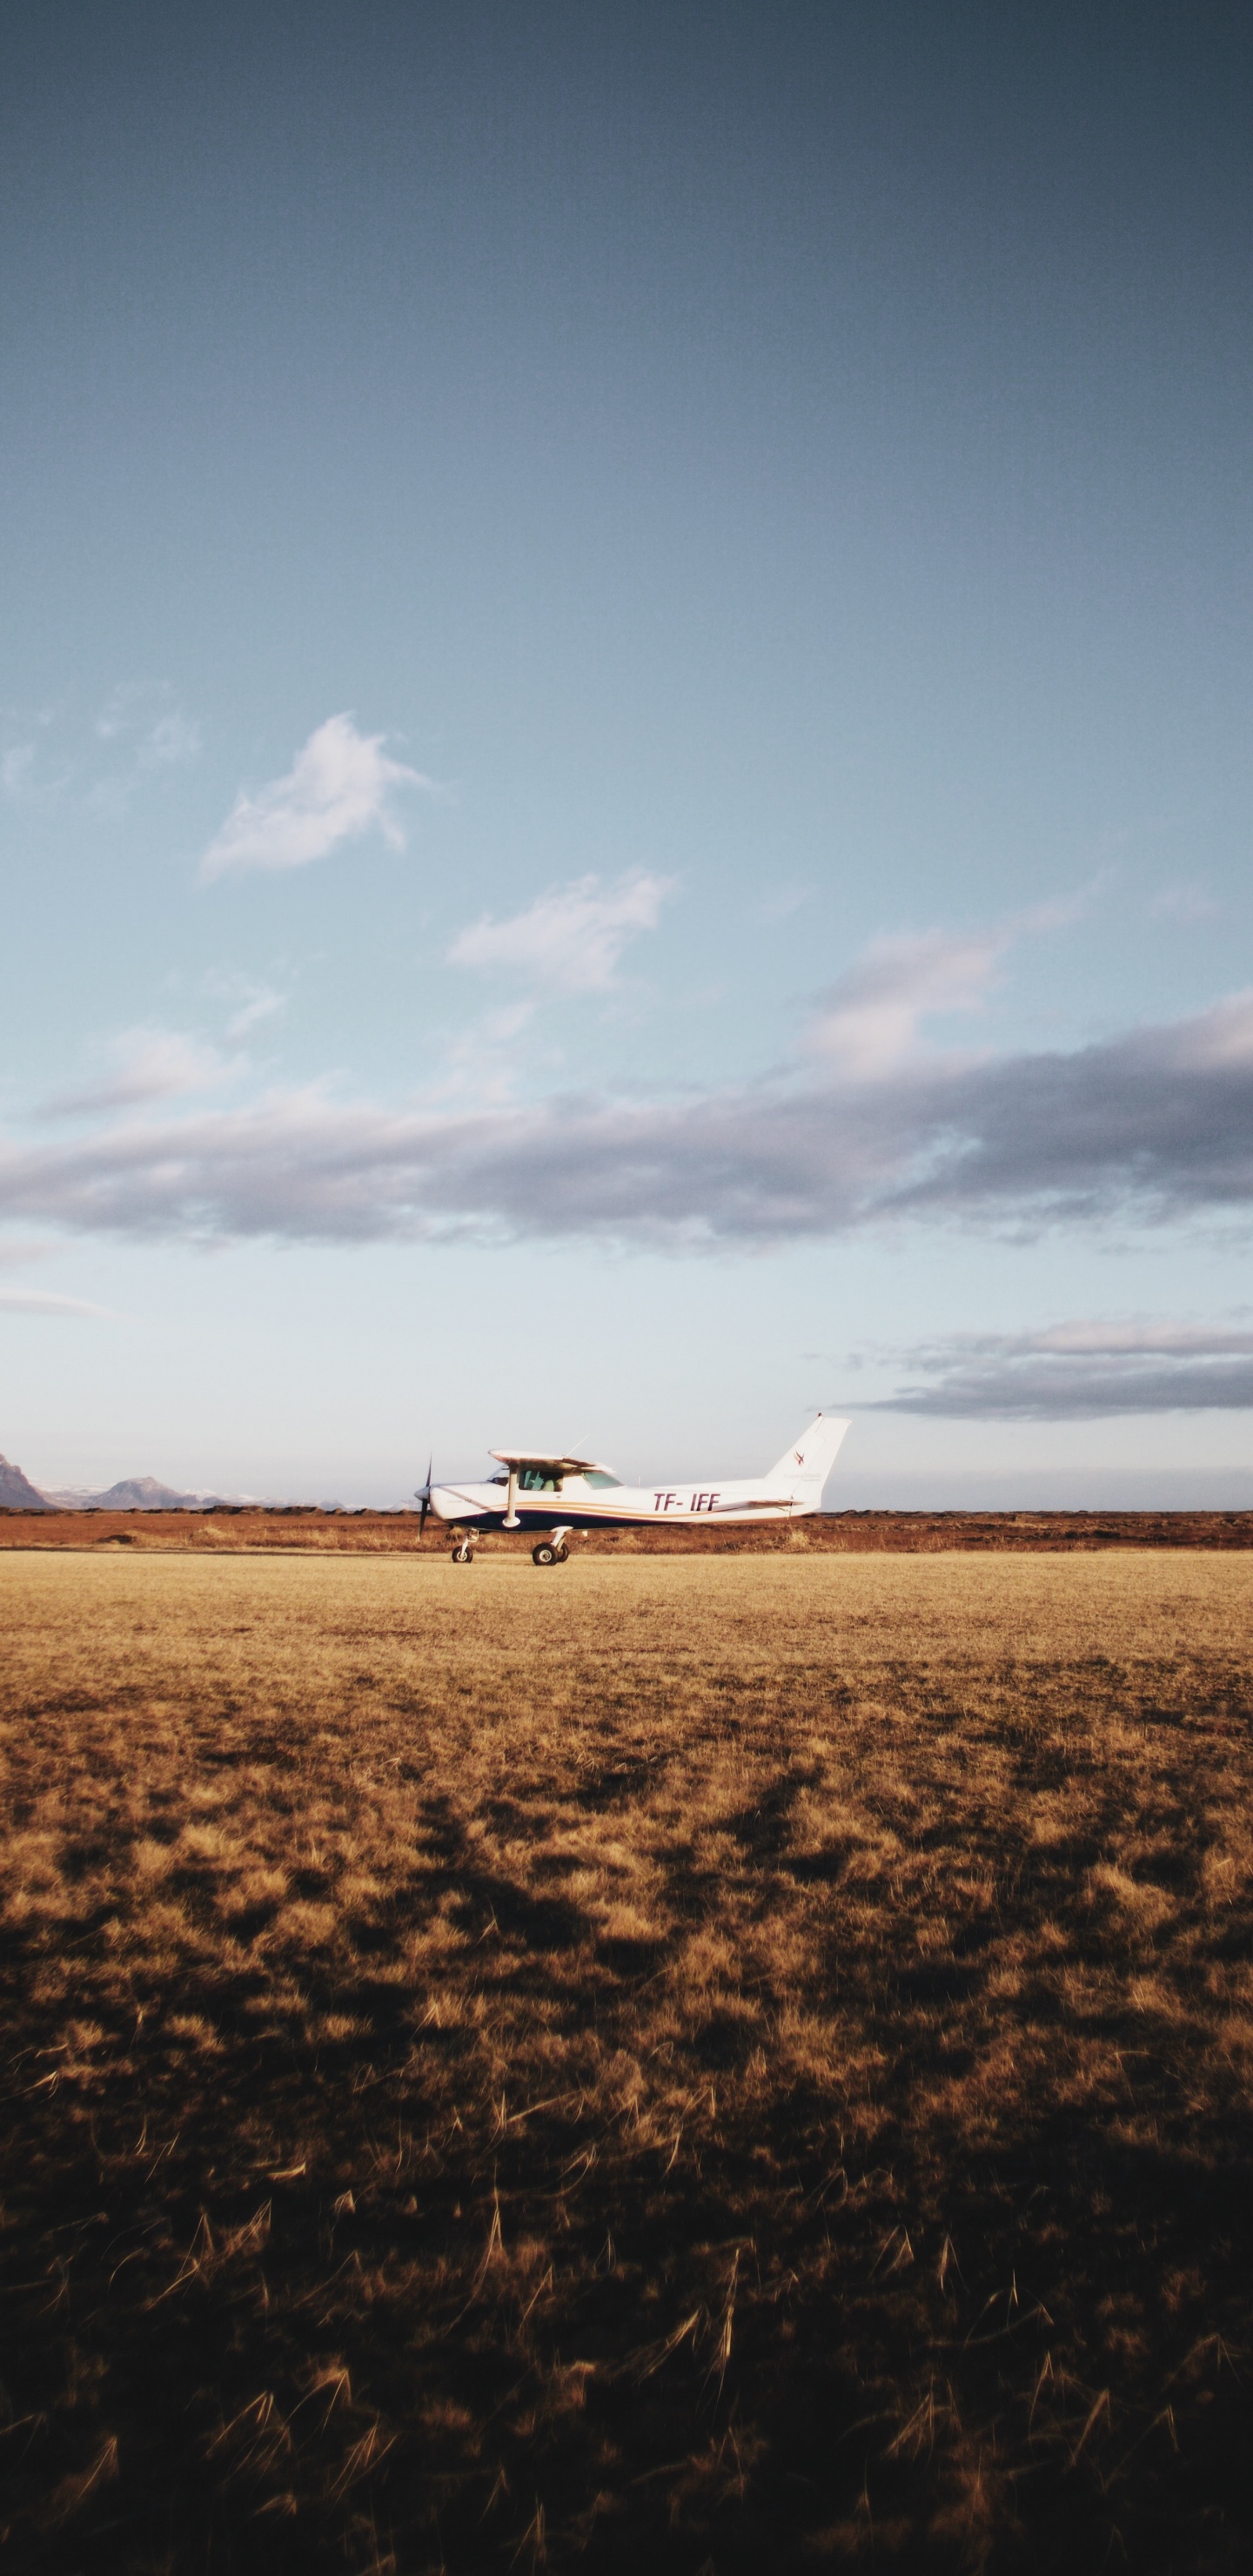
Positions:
(245, 1529)
(686, 2065)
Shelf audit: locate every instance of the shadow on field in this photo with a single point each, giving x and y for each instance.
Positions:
(770, 2120)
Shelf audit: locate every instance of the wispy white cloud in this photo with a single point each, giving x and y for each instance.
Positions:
(258, 1003)
(340, 786)
(16, 1254)
(24, 737)
(571, 938)
(15, 1251)
(251, 1000)
(146, 1064)
(17, 767)
(144, 715)
(51, 759)
(1103, 1339)
(871, 1022)
(172, 738)
(1185, 903)
(1080, 1370)
(44, 1301)
(780, 904)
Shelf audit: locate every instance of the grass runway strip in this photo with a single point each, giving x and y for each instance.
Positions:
(716, 2064)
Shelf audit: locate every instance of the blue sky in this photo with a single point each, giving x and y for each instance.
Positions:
(625, 775)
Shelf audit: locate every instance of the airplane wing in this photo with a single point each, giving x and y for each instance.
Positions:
(552, 1466)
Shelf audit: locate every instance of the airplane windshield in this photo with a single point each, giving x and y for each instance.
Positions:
(542, 1479)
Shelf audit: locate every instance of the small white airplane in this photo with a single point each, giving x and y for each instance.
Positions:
(559, 1494)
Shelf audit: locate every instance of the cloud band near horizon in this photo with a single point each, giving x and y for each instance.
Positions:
(1151, 1125)
(1079, 1372)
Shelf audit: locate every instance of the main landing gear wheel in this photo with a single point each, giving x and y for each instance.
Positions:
(546, 1555)
(463, 1553)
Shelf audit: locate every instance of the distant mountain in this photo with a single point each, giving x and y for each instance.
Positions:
(17, 1492)
(131, 1494)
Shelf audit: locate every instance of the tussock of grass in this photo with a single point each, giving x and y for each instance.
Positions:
(695, 2064)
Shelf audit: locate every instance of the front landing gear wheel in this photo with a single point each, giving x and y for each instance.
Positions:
(463, 1554)
(544, 1554)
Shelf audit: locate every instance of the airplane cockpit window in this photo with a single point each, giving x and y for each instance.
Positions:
(538, 1480)
(600, 1477)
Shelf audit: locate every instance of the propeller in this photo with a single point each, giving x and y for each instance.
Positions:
(423, 1495)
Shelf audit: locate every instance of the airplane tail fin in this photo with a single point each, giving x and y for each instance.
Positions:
(803, 1470)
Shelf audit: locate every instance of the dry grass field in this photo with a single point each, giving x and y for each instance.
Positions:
(683, 2063)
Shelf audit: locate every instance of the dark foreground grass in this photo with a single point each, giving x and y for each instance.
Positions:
(678, 2065)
